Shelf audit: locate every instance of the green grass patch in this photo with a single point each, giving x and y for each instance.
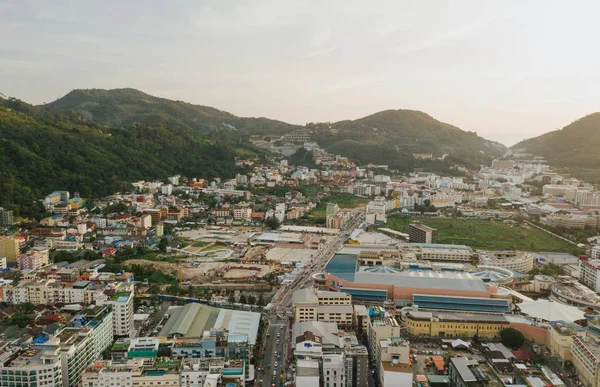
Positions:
(216, 246)
(487, 234)
(199, 244)
(344, 200)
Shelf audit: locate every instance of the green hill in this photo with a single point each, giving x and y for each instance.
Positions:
(124, 107)
(393, 136)
(388, 137)
(41, 151)
(573, 148)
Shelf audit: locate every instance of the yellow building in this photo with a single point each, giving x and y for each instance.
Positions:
(320, 305)
(9, 248)
(586, 359)
(561, 340)
(465, 325)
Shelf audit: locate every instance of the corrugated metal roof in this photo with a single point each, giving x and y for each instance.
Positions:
(424, 279)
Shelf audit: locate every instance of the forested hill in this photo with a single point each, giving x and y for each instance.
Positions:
(574, 146)
(42, 151)
(124, 107)
(388, 137)
(393, 136)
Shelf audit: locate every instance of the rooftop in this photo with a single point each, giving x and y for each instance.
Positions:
(469, 317)
(190, 320)
(239, 323)
(424, 279)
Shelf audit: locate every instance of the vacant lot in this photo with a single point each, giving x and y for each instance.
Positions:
(487, 234)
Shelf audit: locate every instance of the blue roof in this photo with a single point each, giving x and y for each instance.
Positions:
(461, 303)
(367, 294)
(40, 340)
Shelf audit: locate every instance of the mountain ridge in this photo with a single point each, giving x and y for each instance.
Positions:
(573, 147)
(42, 151)
(399, 134)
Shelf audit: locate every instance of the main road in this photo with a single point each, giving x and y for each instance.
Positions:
(274, 364)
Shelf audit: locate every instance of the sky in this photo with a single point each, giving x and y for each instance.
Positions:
(507, 70)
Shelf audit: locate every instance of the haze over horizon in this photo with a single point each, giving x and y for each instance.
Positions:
(506, 70)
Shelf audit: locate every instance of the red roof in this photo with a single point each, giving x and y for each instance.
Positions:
(523, 354)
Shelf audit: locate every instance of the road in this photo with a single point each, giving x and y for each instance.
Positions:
(274, 365)
(282, 303)
(282, 307)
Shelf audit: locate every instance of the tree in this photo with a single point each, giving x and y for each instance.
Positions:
(261, 300)
(243, 299)
(272, 222)
(154, 289)
(163, 244)
(512, 338)
(62, 256)
(251, 300)
(25, 308)
(231, 298)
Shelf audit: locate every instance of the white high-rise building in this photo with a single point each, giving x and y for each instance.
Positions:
(61, 360)
(166, 189)
(122, 304)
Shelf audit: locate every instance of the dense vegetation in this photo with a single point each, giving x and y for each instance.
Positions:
(125, 107)
(389, 137)
(42, 151)
(393, 136)
(574, 147)
(487, 234)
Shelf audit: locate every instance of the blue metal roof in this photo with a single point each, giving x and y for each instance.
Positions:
(461, 303)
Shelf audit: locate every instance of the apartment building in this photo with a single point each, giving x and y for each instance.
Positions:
(32, 260)
(334, 370)
(32, 367)
(586, 359)
(109, 374)
(588, 273)
(419, 233)
(6, 218)
(318, 305)
(9, 248)
(121, 302)
(242, 211)
(61, 360)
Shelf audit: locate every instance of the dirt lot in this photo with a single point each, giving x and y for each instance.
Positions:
(198, 275)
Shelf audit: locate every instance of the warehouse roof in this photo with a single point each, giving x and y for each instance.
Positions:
(190, 320)
(239, 322)
(424, 279)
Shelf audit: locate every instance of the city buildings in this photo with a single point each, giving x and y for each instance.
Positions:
(512, 260)
(6, 217)
(9, 249)
(121, 301)
(60, 360)
(462, 325)
(586, 359)
(588, 274)
(326, 306)
(419, 233)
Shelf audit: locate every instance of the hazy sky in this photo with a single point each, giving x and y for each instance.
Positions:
(507, 70)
